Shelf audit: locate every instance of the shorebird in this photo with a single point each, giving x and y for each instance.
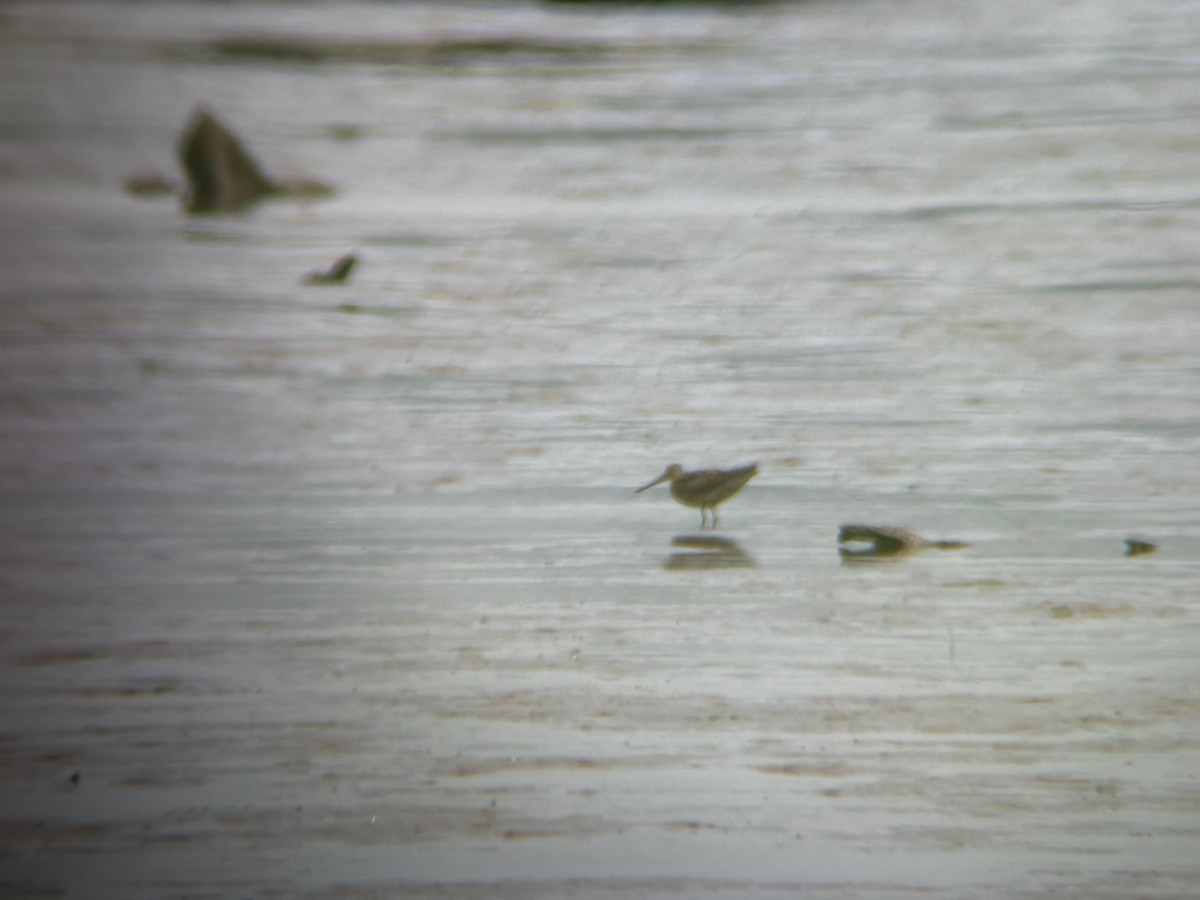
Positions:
(704, 488)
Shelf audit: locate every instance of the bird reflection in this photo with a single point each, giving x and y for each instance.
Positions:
(872, 543)
(707, 551)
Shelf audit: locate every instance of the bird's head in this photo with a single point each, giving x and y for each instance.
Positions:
(670, 473)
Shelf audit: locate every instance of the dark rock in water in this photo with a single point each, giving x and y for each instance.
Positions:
(223, 177)
(221, 174)
(335, 274)
(867, 542)
(1138, 546)
(447, 51)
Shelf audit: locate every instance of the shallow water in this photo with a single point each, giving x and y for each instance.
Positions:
(344, 591)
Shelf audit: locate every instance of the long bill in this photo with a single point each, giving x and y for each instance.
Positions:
(659, 480)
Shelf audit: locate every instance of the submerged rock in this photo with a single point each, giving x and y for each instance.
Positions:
(335, 274)
(865, 542)
(222, 176)
(1138, 546)
(446, 51)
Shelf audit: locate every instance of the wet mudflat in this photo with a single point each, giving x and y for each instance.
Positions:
(343, 590)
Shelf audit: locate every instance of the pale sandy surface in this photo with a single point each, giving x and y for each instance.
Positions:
(297, 718)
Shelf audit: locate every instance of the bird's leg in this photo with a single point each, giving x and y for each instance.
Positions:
(714, 518)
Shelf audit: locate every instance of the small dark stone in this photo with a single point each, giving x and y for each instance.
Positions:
(1138, 547)
(335, 274)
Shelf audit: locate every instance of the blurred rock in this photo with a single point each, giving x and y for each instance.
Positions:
(867, 542)
(335, 274)
(1138, 546)
(221, 174)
